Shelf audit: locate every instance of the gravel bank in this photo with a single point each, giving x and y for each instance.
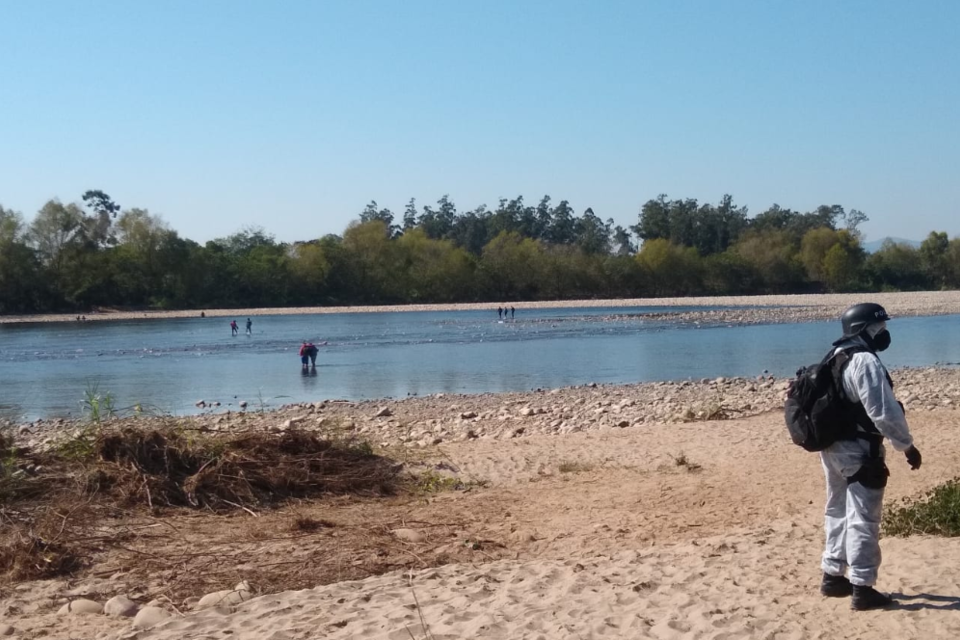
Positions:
(424, 422)
(751, 309)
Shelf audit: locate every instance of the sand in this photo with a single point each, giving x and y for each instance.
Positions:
(629, 544)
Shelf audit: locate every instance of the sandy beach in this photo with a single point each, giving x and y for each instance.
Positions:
(799, 307)
(663, 510)
(663, 528)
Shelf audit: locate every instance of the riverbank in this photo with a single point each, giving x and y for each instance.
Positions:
(768, 308)
(428, 421)
(668, 510)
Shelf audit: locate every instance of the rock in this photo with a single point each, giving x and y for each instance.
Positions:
(243, 404)
(384, 412)
(200, 403)
(526, 411)
(225, 597)
(623, 423)
(243, 585)
(149, 617)
(24, 431)
(468, 415)
(408, 535)
(6, 630)
(81, 605)
(523, 535)
(120, 606)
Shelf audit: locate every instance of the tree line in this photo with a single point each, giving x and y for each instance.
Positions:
(79, 256)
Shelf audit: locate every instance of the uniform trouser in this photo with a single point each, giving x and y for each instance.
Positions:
(851, 522)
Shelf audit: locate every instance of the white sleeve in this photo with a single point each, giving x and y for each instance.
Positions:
(865, 381)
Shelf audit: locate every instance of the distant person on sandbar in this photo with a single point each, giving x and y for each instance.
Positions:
(500, 312)
(203, 314)
(234, 329)
(249, 327)
(513, 313)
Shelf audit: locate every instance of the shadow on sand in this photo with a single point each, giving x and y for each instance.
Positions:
(920, 601)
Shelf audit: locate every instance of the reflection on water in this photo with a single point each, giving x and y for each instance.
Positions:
(171, 364)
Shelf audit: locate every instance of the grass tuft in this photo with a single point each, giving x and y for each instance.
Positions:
(936, 513)
(568, 466)
(682, 461)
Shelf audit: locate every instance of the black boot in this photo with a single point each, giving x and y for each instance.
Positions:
(865, 598)
(835, 586)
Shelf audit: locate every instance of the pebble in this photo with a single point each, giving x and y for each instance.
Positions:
(223, 598)
(6, 630)
(408, 535)
(149, 617)
(81, 605)
(120, 606)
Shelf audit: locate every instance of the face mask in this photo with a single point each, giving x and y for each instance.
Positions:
(879, 336)
(882, 340)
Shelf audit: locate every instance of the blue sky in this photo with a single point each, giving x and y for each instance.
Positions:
(293, 115)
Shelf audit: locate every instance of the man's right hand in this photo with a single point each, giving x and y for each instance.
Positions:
(913, 457)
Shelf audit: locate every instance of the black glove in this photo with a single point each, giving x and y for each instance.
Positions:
(913, 457)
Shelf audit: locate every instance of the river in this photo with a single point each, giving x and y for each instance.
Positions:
(167, 365)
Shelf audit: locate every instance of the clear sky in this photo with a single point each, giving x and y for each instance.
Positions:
(293, 115)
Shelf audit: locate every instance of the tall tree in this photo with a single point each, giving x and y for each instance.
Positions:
(97, 226)
(21, 281)
(593, 235)
(933, 258)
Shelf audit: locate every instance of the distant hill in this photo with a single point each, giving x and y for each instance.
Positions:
(870, 247)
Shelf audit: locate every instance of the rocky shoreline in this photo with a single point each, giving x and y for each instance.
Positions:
(422, 422)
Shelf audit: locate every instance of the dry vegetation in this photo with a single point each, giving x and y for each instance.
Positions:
(132, 490)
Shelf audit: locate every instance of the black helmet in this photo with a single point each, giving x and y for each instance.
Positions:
(860, 316)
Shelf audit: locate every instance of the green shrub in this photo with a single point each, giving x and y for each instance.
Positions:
(935, 513)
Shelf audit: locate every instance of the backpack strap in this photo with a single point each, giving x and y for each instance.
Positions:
(867, 430)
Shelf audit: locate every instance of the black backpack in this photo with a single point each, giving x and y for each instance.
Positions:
(816, 412)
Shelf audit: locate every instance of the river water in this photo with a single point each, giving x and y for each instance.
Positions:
(167, 365)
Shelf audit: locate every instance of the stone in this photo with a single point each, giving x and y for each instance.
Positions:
(222, 598)
(120, 606)
(384, 412)
(526, 411)
(81, 605)
(6, 630)
(468, 415)
(150, 617)
(243, 404)
(200, 403)
(408, 535)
